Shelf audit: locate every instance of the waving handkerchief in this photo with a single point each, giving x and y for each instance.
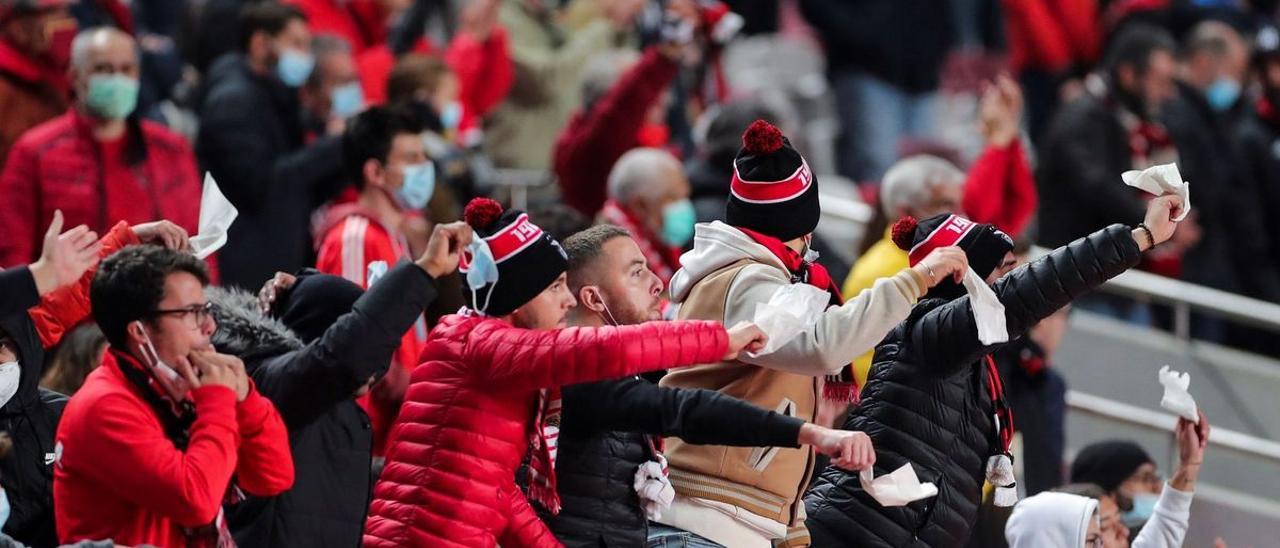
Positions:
(896, 488)
(790, 311)
(1161, 180)
(988, 311)
(216, 216)
(1176, 398)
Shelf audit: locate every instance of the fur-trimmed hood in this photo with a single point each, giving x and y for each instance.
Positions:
(245, 332)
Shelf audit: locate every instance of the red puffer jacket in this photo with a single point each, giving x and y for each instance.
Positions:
(465, 423)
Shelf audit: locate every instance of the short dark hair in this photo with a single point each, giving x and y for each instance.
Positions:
(585, 247)
(130, 285)
(1134, 44)
(1095, 492)
(369, 135)
(413, 72)
(270, 17)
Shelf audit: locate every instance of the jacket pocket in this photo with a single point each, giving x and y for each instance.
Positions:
(760, 457)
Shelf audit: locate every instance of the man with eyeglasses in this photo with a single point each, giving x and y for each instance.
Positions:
(148, 447)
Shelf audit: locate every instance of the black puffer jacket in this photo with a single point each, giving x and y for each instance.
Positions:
(313, 385)
(926, 403)
(603, 442)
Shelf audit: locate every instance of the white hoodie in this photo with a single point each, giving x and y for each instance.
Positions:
(840, 335)
(1051, 520)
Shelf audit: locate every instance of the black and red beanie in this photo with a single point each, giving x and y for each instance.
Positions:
(984, 245)
(773, 192)
(528, 259)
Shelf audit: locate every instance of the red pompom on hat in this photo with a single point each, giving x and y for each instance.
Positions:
(904, 232)
(481, 213)
(762, 138)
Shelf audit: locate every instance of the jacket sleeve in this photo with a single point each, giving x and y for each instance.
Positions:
(20, 221)
(306, 382)
(1032, 20)
(18, 290)
(266, 462)
(545, 359)
(594, 140)
(186, 486)
(1167, 527)
(64, 308)
(524, 528)
(947, 337)
(841, 334)
(693, 415)
(484, 70)
(1000, 189)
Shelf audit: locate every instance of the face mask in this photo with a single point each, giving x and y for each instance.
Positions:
(347, 100)
(451, 115)
(482, 270)
(111, 96)
(294, 67)
(419, 184)
(1143, 506)
(169, 379)
(1222, 94)
(10, 375)
(678, 219)
(608, 314)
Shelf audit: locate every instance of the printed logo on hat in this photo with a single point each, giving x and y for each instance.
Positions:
(948, 233)
(771, 192)
(511, 240)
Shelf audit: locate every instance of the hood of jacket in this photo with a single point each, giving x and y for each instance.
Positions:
(1051, 520)
(715, 246)
(245, 332)
(30, 361)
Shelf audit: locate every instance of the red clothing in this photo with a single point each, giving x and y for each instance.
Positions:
(117, 476)
(63, 309)
(464, 427)
(362, 23)
(354, 241)
(31, 93)
(59, 165)
(594, 139)
(663, 259)
(1000, 189)
(1052, 35)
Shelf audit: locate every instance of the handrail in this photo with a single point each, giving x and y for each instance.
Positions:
(1155, 420)
(844, 208)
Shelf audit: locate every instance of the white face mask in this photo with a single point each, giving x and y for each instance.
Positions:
(10, 377)
(168, 377)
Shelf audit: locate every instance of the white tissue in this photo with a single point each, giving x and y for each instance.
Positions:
(1176, 398)
(1161, 180)
(216, 216)
(896, 488)
(790, 311)
(654, 488)
(988, 311)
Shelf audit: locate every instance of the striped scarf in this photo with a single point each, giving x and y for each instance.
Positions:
(544, 439)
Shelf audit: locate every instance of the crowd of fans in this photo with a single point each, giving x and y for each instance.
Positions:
(384, 353)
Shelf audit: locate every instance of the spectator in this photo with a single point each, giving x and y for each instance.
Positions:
(486, 394)
(98, 163)
(332, 94)
(649, 197)
(737, 496)
(612, 428)
(79, 353)
(251, 140)
(1055, 520)
(1258, 133)
(1114, 533)
(150, 443)
(334, 341)
(1052, 46)
(883, 59)
(64, 257)
(548, 61)
(1125, 471)
(386, 160)
(35, 49)
(937, 351)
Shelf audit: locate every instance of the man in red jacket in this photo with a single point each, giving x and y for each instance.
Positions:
(487, 393)
(97, 162)
(147, 448)
(35, 44)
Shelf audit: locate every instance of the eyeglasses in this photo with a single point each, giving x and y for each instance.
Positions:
(200, 312)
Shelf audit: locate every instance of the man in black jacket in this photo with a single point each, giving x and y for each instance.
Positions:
(1258, 133)
(252, 140)
(610, 428)
(933, 399)
(334, 342)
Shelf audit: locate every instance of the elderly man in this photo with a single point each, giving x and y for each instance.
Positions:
(97, 163)
(649, 196)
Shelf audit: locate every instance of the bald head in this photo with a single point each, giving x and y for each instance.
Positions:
(92, 45)
(111, 57)
(644, 180)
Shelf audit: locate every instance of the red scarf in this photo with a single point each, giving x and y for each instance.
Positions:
(663, 259)
(842, 387)
(1267, 112)
(544, 440)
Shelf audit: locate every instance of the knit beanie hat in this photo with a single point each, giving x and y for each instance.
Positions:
(519, 260)
(315, 302)
(1107, 464)
(983, 244)
(772, 191)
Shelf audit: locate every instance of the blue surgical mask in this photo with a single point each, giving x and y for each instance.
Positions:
(482, 270)
(295, 67)
(451, 115)
(111, 96)
(1143, 506)
(678, 219)
(347, 100)
(1222, 94)
(419, 184)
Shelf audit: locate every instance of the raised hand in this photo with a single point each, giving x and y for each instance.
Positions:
(65, 256)
(444, 250)
(745, 337)
(848, 449)
(267, 295)
(1161, 213)
(1193, 439)
(222, 370)
(940, 263)
(1000, 110)
(163, 233)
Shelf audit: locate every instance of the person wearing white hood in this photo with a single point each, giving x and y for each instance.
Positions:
(1055, 520)
(751, 497)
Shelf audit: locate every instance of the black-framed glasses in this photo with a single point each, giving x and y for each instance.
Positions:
(201, 313)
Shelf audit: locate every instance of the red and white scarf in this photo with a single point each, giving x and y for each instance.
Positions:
(663, 259)
(544, 439)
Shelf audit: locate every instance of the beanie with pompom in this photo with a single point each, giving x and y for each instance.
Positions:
(984, 245)
(528, 260)
(773, 192)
